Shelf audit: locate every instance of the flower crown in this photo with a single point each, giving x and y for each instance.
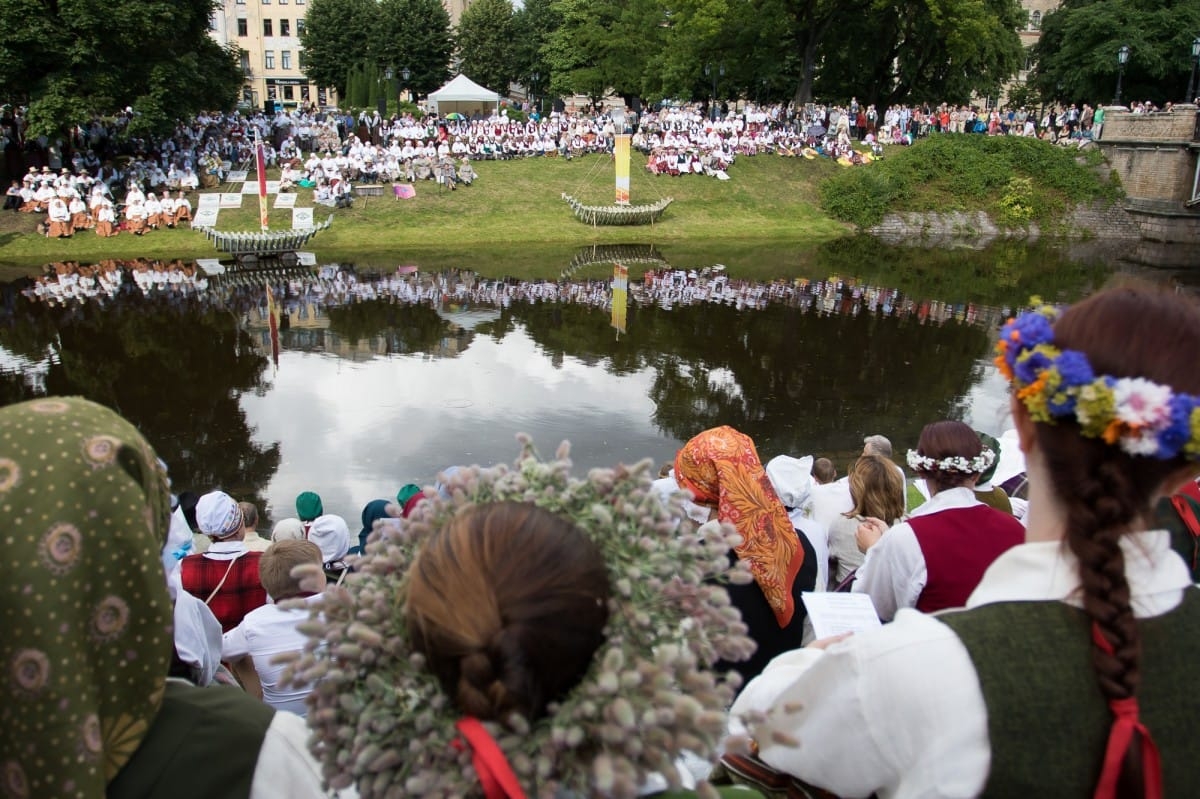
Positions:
(955, 463)
(381, 720)
(1143, 417)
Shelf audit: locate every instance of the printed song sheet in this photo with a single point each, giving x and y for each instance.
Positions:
(836, 613)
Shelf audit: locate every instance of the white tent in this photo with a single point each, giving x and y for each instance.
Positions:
(464, 96)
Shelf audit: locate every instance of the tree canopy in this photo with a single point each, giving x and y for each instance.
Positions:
(69, 60)
(487, 45)
(1077, 53)
(882, 51)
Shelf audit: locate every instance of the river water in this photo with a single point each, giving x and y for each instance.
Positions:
(381, 376)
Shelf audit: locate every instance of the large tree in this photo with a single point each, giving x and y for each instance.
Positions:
(487, 44)
(68, 60)
(1076, 57)
(534, 23)
(606, 45)
(922, 51)
(414, 35)
(336, 39)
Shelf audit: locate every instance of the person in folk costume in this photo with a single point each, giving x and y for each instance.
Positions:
(1069, 673)
(106, 219)
(153, 211)
(135, 217)
(104, 672)
(183, 209)
(167, 214)
(80, 218)
(505, 609)
(60, 220)
(226, 576)
(722, 470)
(934, 559)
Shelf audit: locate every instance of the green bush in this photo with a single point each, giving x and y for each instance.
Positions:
(1015, 179)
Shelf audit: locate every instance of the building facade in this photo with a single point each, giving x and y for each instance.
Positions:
(267, 32)
(1036, 11)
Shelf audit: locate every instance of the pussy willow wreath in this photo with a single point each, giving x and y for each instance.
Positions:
(381, 721)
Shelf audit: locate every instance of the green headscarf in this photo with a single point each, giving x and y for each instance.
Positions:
(83, 603)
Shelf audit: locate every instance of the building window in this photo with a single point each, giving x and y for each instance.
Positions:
(300, 27)
(289, 93)
(268, 28)
(1028, 59)
(269, 59)
(285, 27)
(300, 59)
(304, 95)
(245, 62)
(243, 30)
(1035, 20)
(212, 22)
(285, 61)
(272, 92)
(247, 94)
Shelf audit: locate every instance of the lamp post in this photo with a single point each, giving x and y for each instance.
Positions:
(710, 72)
(533, 83)
(1191, 92)
(405, 74)
(381, 101)
(1122, 60)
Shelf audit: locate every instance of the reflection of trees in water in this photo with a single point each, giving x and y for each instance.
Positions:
(794, 381)
(175, 367)
(404, 328)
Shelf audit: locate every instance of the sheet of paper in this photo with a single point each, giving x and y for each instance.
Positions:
(836, 613)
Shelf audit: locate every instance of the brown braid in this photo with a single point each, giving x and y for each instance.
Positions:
(1106, 492)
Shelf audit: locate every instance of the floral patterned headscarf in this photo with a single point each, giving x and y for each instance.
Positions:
(721, 468)
(83, 603)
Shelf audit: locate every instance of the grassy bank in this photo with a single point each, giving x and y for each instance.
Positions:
(513, 205)
(1014, 179)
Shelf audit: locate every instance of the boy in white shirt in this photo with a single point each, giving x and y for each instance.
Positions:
(270, 630)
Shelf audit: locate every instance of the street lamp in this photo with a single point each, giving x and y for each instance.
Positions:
(1191, 96)
(405, 74)
(1122, 60)
(709, 71)
(533, 83)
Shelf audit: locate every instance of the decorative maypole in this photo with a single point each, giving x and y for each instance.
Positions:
(260, 166)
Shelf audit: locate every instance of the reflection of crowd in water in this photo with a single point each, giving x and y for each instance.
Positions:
(334, 286)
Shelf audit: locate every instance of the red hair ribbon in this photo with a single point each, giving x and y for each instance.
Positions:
(1120, 737)
(495, 774)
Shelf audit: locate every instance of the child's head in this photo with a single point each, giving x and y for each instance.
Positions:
(281, 558)
(824, 471)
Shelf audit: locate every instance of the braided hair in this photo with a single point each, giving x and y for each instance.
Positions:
(1106, 492)
(508, 604)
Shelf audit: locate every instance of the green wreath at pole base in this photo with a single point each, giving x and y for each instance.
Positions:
(380, 721)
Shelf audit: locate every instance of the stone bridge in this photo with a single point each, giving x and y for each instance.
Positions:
(1157, 158)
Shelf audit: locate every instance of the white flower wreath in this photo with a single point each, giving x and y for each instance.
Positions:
(380, 720)
(955, 463)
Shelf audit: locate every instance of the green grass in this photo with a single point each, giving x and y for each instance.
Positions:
(514, 207)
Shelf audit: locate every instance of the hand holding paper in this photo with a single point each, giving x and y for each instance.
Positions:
(836, 613)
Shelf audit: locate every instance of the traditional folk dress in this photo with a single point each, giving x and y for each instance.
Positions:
(60, 220)
(135, 218)
(183, 210)
(106, 220)
(80, 220)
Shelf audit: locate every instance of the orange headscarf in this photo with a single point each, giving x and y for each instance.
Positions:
(721, 467)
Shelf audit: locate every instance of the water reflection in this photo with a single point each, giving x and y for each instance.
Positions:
(386, 378)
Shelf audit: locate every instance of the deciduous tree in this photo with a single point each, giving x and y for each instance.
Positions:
(487, 44)
(70, 60)
(337, 38)
(1079, 43)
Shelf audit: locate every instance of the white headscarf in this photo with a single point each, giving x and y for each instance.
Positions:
(331, 533)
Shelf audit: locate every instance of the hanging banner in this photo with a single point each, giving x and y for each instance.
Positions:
(621, 158)
(620, 296)
(260, 165)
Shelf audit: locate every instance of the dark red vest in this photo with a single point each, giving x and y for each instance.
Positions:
(958, 545)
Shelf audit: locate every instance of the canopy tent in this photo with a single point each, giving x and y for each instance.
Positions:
(464, 96)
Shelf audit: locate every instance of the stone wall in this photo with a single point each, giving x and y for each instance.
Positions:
(1153, 154)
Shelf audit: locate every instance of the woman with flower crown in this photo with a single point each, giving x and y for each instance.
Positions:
(936, 557)
(526, 633)
(1070, 673)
